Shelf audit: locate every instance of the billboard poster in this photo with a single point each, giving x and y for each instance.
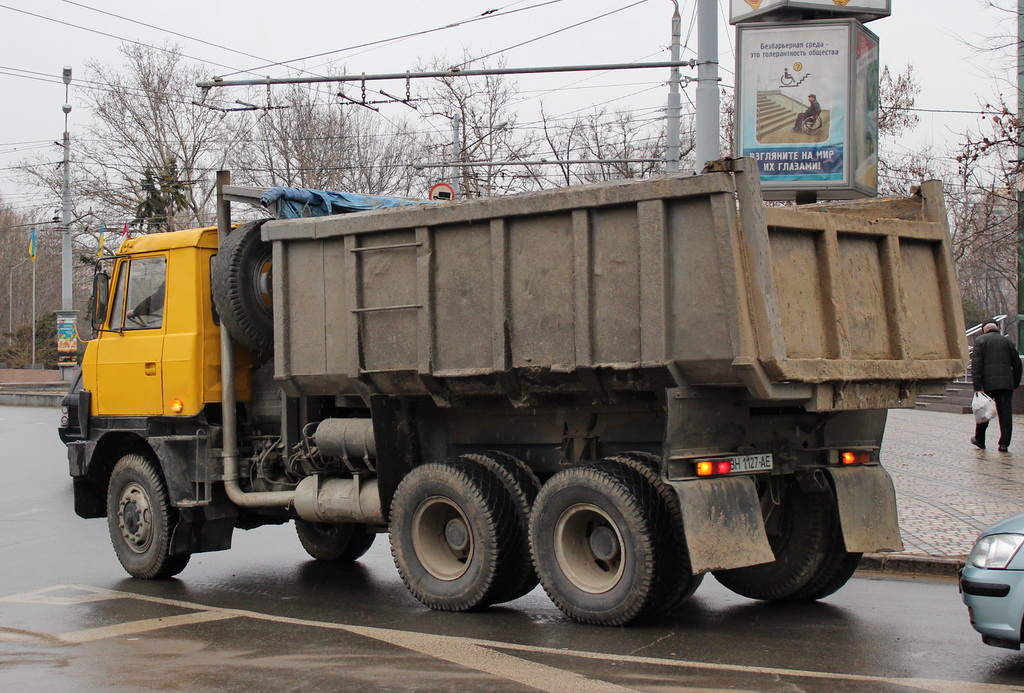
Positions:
(865, 10)
(796, 106)
(67, 338)
(794, 101)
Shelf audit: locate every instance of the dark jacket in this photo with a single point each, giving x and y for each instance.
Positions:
(995, 363)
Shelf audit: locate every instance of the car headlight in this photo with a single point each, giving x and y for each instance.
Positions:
(995, 550)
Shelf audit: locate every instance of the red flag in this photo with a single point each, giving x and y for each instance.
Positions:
(124, 231)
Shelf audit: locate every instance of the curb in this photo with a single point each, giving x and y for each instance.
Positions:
(910, 566)
(34, 399)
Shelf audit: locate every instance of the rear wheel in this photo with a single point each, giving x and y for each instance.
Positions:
(448, 523)
(521, 486)
(800, 532)
(599, 538)
(835, 571)
(684, 582)
(140, 519)
(343, 542)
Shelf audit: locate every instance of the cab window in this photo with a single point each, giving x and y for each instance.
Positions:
(139, 297)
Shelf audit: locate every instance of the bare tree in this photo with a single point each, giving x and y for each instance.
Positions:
(487, 130)
(313, 138)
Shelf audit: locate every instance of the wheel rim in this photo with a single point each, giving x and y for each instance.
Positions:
(135, 517)
(262, 277)
(588, 548)
(442, 539)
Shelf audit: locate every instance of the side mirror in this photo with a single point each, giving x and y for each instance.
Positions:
(100, 299)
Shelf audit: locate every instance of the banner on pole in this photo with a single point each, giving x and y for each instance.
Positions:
(67, 338)
(32, 245)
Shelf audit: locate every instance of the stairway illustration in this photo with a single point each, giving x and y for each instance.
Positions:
(775, 111)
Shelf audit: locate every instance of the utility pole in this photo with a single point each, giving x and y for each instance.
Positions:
(457, 152)
(67, 319)
(65, 219)
(674, 105)
(1020, 177)
(707, 135)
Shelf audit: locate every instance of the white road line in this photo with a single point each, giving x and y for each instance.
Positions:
(45, 596)
(143, 626)
(470, 654)
(466, 652)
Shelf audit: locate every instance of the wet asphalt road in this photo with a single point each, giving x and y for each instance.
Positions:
(263, 617)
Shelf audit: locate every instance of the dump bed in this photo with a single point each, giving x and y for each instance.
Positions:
(631, 285)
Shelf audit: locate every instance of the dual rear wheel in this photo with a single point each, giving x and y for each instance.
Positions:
(605, 539)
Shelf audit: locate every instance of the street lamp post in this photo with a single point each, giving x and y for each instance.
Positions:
(10, 301)
(67, 318)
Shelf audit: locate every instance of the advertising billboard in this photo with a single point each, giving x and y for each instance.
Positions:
(67, 338)
(807, 107)
(864, 10)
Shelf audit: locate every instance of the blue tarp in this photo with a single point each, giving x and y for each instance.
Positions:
(294, 203)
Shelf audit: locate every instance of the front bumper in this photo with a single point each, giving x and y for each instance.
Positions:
(995, 602)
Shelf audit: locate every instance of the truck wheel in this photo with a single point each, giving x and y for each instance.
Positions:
(801, 537)
(522, 486)
(342, 542)
(684, 582)
(449, 521)
(140, 519)
(242, 291)
(601, 544)
(836, 570)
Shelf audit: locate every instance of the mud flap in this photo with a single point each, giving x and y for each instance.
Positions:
(722, 522)
(867, 509)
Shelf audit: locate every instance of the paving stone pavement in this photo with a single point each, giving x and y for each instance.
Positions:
(947, 490)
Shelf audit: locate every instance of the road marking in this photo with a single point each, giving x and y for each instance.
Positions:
(474, 654)
(487, 656)
(45, 596)
(143, 626)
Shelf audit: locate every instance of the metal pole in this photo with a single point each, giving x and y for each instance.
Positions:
(674, 105)
(33, 313)
(456, 172)
(707, 129)
(1020, 192)
(534, 162)
(454, 72)
(66, 299)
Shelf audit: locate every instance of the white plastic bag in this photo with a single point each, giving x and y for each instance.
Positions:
(984, 407)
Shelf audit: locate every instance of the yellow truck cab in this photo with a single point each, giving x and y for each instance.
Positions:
(151, 385)
(159, 338)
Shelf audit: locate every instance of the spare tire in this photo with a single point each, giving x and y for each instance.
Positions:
(242, 288)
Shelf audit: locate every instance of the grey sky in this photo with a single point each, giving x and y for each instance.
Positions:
(929, 34)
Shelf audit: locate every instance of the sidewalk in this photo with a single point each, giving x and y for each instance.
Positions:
(947, 490)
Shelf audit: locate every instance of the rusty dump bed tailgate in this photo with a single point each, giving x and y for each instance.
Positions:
(632, 285)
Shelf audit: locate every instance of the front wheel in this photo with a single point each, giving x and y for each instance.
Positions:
(140, 519)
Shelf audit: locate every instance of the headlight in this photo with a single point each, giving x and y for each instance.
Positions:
(995, 550)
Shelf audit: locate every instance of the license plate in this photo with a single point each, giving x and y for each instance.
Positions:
(752, 463)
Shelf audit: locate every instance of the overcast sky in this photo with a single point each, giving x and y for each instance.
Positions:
(41, 36)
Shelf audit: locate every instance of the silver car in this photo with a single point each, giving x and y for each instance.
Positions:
(992, 583)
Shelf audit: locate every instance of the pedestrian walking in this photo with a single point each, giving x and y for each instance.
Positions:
(996, 371)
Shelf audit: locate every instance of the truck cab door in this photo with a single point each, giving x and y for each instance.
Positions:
(130, 349)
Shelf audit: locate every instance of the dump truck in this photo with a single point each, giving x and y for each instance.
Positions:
(610, 389)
